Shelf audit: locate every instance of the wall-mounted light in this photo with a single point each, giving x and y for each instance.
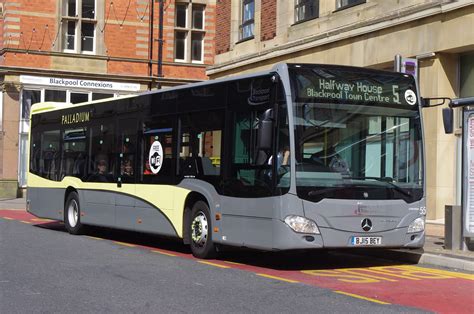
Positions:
(427, 55)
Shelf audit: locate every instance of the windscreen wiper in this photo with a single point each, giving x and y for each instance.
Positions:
(325, 190)
(387, 180)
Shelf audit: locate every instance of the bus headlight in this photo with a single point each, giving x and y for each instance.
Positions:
(417, 225)
(301, 224)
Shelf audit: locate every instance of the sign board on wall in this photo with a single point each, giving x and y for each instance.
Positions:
(468, 177)
(78, 83)
(407, 65)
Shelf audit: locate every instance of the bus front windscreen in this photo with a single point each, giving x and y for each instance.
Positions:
(357, 134)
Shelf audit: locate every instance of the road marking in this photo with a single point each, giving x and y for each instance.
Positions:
(278, 278)
(33, 293)
(8, 218)
(124, 244)
(41, 220)
(213, 264)
(95, 238)
(361, 297)
(450, 273)
(164, 253)
(390, 271)
(385, 273)
(341, 275)
(233, 263)
(25, 222)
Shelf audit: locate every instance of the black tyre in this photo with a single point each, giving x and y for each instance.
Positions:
(72, 214)
(200, 230)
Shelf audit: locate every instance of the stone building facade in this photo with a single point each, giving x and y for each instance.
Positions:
(439, 34)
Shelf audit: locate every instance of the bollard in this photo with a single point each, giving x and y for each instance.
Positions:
(452, 227)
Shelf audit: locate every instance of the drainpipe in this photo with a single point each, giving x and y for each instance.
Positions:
(150, 45)
(160, 43)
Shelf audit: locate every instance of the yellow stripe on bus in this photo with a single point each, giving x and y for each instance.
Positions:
(168, 199)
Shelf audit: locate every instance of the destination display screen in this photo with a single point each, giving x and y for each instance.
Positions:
(341, 84)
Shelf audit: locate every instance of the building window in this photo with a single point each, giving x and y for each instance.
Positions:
(189, 33)
(247, 26)
(342, 4)
(78, 23)
(306, 10)
(28, 98)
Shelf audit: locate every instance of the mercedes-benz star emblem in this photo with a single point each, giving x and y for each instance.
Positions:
(366, 224)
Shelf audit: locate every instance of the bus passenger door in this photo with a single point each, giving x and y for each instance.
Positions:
(127, 152)
(99, 200)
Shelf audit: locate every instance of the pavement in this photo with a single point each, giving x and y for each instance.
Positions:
(433, 253)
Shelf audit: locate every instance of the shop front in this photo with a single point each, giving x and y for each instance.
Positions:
(19, 93)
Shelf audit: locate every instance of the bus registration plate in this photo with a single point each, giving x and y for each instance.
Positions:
(366, 241)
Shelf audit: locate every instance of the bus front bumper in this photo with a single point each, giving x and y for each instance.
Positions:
(287, 239)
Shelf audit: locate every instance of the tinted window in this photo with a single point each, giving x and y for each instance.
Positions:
(249, 169)
(127, 141)
(202, 98)
(74, 153)
(50, 155)
(102, 153)
(158, 159)
(200, 146)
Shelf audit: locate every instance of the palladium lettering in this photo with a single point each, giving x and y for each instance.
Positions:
(78, 117)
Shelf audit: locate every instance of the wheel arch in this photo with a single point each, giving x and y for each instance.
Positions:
(68, 191)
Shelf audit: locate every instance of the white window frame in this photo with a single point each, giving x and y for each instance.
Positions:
(340, 5)
(202, 48)
(77, 34)
(185, 46)
(250, 21)
(190, 30)
(298, 4)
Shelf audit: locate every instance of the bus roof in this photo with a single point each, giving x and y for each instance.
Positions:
(51, 105)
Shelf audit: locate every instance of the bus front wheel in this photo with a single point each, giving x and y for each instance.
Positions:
(72, 214)
(200, 230)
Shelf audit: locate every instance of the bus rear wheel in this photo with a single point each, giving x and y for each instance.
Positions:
(200, 230)
(72, 214)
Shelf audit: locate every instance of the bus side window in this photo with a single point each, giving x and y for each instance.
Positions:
(102, 153)
(249, 169)
(50, 155)
(200, 146)
(35, 153)
(158, 156)
(127, 149)
(73, 161)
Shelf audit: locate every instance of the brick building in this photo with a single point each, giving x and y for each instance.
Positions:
(439, 34)
(80, 50)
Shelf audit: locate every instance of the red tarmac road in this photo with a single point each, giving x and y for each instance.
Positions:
(430, 289)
